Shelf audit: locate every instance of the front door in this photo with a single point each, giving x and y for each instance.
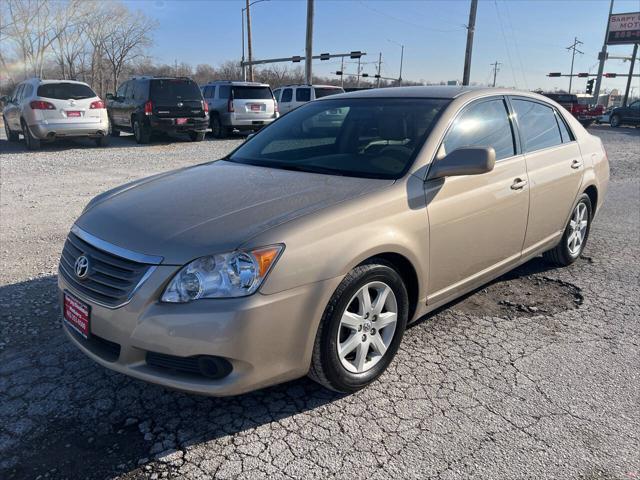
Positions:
(477, 223)
(555, 169)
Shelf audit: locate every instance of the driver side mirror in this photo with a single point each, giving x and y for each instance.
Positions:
(5, 99)
(464, 161)
(110, 96)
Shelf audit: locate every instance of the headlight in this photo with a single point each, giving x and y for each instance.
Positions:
(228, 275)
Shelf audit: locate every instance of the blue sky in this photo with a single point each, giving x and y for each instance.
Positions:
(529, 37)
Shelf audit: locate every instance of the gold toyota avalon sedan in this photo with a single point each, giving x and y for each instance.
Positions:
(310, 247)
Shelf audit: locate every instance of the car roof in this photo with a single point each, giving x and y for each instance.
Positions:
(314, 85)
(236, 83)
(444, 92)
(38, 81)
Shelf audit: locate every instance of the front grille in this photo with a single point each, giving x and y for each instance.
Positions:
(111, 279)
(200, 365)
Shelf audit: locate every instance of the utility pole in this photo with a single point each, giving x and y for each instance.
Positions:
(471, 28)
(633, 63)
(309, 45)
(244, 69)
(576, 42)
(342, 72)
(401, 60)
(602, 57)
(379, 67)
(495, 71)
(249, 41)
(358, 77)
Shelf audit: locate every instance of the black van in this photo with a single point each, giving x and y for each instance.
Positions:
(146, 105)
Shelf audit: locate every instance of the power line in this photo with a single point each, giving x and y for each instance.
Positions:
(517, 46)
(506, 44)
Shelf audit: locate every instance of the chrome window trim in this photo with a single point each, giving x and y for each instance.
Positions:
(116, 250)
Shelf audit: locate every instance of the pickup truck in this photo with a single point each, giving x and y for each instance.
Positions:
(585, 114)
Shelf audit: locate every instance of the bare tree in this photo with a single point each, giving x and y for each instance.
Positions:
(71, 42)
(126, 38)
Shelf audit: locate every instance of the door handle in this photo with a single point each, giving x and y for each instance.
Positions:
(575, 164)
(518, 184)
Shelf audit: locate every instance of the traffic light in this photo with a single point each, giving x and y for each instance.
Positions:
(339, 72)
(610, 75)
(325, 56)
(590, 86)
(583, 75)
(355, 54)
(554, 74)
(296, 59)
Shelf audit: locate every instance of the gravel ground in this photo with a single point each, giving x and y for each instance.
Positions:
(535, 376)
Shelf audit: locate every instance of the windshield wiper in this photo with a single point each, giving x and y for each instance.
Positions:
(304, 168)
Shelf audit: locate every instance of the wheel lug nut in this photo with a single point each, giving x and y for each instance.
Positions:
(364, 337)
(359, 328)
(373, 331)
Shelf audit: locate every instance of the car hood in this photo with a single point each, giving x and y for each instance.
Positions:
(211, 208)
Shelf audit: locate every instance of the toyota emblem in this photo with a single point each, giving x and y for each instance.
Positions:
(82, 266)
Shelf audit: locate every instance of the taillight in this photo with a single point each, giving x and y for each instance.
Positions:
(205, 106)
(98, 104)
(41, 105)
(148, 108)
(230, 106)
(276, 109)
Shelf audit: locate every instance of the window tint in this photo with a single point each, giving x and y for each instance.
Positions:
(174, 89)
(635, 105)
(564, 130)
(537, 123)
(128, 89)
(140, 91)
(373, 138)
(303, 94)
(206, 92)
(484, 124)
(287, 95)
(65, 91)
(224, 90)
(121, 89)
(276, 94)
(18, 95)
(252, 93)
(28, 91)
(325, 91)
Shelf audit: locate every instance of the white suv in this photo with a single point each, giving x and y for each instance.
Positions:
(290, 97)
(50, 109)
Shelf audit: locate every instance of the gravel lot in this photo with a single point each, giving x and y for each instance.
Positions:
(536, 376)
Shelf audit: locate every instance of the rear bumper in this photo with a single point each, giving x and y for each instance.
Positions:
(194, 124)
(57, 130)
(230, 120)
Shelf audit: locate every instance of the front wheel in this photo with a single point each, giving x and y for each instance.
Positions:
(361, 328)
(615, 121)
(575, 235)
(196, 136)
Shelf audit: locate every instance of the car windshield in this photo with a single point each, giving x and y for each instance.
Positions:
(252, 93)
(65, 91)
(174, 89)
(373, 137)
(325, 92)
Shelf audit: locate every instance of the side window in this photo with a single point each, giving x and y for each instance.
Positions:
(224, 90)
(276, 94)
(484, 124)
(303, 94)
(121, 89)
(206, 92)
(213, 92)
(287, 95)
(140, 91)
(128, 92)
(635, 105)
(537, 124)
(18, 95)
(28, 91)
(564, 130)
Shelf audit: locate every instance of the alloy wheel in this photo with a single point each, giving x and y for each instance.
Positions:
(367, 327)
(578, 229)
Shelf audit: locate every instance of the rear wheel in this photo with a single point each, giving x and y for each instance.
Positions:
(361, 328)
(140, 132)
(32, 142)
(196, 136)
(614, 121)
(575, 235)
(11, 136)
(217, 129)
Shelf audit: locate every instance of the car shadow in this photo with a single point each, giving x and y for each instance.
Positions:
(623, 130)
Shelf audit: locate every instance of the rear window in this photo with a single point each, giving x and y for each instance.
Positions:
(252, 93)
(560, 98)
(325, 92)
(65, 91)
(174, 89)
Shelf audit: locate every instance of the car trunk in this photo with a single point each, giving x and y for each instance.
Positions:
(253, 103)
(71, 102)
(176, 98)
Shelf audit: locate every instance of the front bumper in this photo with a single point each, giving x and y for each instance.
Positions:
(267, 339)
(49, 130)
(193, 124)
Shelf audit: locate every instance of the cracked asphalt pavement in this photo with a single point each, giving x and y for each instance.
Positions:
(535, 376)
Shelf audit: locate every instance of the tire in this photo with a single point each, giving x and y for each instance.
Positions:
(114, 132)
(140, 132)
(614, 121)
(11, 136)
(348, 373)
(196, 136)
(563, 254)
(32, 142)
(217, 129)
(102, 141)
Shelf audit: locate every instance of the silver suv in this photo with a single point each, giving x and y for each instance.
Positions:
(243, 106)
(290, 97)
(50, 109)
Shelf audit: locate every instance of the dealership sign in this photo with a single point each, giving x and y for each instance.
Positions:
(624, 28)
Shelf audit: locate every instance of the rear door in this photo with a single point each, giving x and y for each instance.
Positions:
(253, 102)
(175, 98)
(555, 168)
(286, 97)
(72, 102)
(303, 95)
(12, 111)
(631, 114)
(477, 223)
